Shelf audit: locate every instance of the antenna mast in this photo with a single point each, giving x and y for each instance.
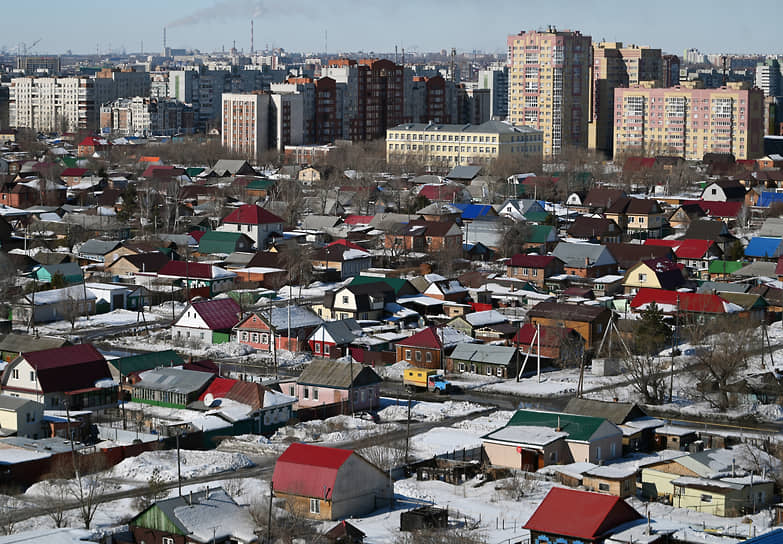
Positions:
(251, 36)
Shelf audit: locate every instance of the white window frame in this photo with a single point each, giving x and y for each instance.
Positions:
(315, 506)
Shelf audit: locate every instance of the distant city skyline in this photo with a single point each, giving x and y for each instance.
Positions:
(376, 26)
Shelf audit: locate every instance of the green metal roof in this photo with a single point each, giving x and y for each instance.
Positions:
(579, 428)
(146, 361)
(539, 234)
(725, 267)
(193, 171)
(260, 184)
(394, 283)
(536, 217)
(219, 242)
(69, 162)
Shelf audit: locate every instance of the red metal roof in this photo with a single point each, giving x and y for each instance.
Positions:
(70, 172)
(550, 336)
(718, 209)
(428, 338)
(309, 471)
(346, 243)
(218, 388)
(92, 141)
(219, 313)
(531, 261)
(580, 514)
(250, 214)
(440, 192)
(358, 219)
(676, 301)
(684, 249)
(68, 368)
(197, 234)
(187, 269)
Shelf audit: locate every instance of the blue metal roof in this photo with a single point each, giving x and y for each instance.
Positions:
(764, 247)
(472, 211)
(766, 198)
(772, 537)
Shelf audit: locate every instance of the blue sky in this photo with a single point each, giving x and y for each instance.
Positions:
(374, 25)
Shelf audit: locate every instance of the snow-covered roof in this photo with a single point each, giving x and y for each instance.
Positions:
(487, 317)
(525, 434)
(216, 518)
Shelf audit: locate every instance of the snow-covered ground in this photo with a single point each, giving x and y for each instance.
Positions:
(117, 318)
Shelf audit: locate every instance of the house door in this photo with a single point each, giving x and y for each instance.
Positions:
(529, 460)
(117, 302)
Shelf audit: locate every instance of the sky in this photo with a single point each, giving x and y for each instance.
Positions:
(84, 26)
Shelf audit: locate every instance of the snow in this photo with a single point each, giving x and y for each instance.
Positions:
(527, 434)
(63, 535)
(427, 411)
(216, 518)
(193, 464)
(117, 318)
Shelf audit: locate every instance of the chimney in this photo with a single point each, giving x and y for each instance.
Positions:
(190, 498)
(557, 429)
(733, 468)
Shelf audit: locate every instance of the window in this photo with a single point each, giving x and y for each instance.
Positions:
(642, 277)
(407, 355)
(16, 374)
(292, 391)
(500, 372)
(306, 393)
(462, 367)
(167, 540)
(418, 355)
(489, 371)
(315, 394)
(315, 506)
(598, 453)
(706, 498)
(345, 300)
(317, 347)
(32, 376)
(428, 357)
(613, 449)
(603, 487)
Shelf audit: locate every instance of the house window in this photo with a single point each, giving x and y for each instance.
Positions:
(327, 349)
(706, 498)
(16, 374)
(292, 391)
(489, 371)
(166, 540)
(244, 335)
(407, 355)
(255, 337)
(428, 357)
(317, 347)
(598, 453)
(315, 394)
(500, 372)
(462, 367)
(642, 277)
(603, 487)
(264, 338)
(613, 449)
(315, 506)
(32, 376)
(306, 393)
(418, 355)
(345, 300)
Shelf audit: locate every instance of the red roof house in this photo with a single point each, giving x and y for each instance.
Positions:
(91, 144)
(207, 321)
(719, 210)
(72, 374)
(555, 342)
(254, 221)
(578, 515)
(423, 349)
(533, 268)
(329, 483)
(674, 302)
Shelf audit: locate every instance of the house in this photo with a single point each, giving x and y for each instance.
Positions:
(138, 264)
(223, 243)
(446, 290)
(627, 255)
(472, 212)
(585, 260)
(331, 338)
(764, 249)
(329, 483)
(91, 145)
(425, 236)
(53, 305)
(724, 191)
(69, 272)
(685, 214)
(725, 211)
(560, 344)
(13, 344)
(269, 409)
(589, 322)
(440, 211)
(342, 257)
(207, 321)
(533, 268)
(254, 221)
(599, 199)
(469, 323)
(116, 296)
(721, 269)
(655, 274)
(325, 382)
(345, 533)
(716, 481)
(170, 387)
(203, 517)
(76, 377)
(638, 217)
(225, 168)
(714, 230)
(619, 482)
(95, 250)
(423, 349)
(694, 255)
(638, 429)
(280, 328)
(484, 359)
(533, 439)
(358, 301)
(20, 417)
(126, 370)
(570, 516)
(193, 275)
(595, 229)
(677, 303)
(518, 209)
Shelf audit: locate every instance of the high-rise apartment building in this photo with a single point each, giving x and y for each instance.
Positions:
(144, 116)
(688, 122)
(768, 77)
(287, 112)
(549, 85)
(30, 64)
(245, 123)
(496, 80)
(322, 103)
(671, 70)
(374, 97)
(616, 66)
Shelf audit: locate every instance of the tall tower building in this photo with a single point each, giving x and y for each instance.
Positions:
(549, 85)
(496, 80)
(245, 123)
(768, 77)
(615, 66)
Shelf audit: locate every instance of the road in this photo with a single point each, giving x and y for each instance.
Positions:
(263, 468)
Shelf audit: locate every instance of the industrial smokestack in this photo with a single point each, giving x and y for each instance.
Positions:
(251, 36)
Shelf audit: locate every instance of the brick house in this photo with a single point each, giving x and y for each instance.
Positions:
(533, 268)
(595, 229)
(589, 322)
(427, 236)
(585, 260)
(279, 328)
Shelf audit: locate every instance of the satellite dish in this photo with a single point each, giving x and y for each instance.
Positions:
(208, 399)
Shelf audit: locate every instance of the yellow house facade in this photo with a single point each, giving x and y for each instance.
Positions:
(453, 145)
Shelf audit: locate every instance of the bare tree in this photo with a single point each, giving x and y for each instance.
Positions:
(454, 535)
(54, 499)
(515, 235)
(87, 487)
(385, 457)
(649, 376)
(155, 490)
